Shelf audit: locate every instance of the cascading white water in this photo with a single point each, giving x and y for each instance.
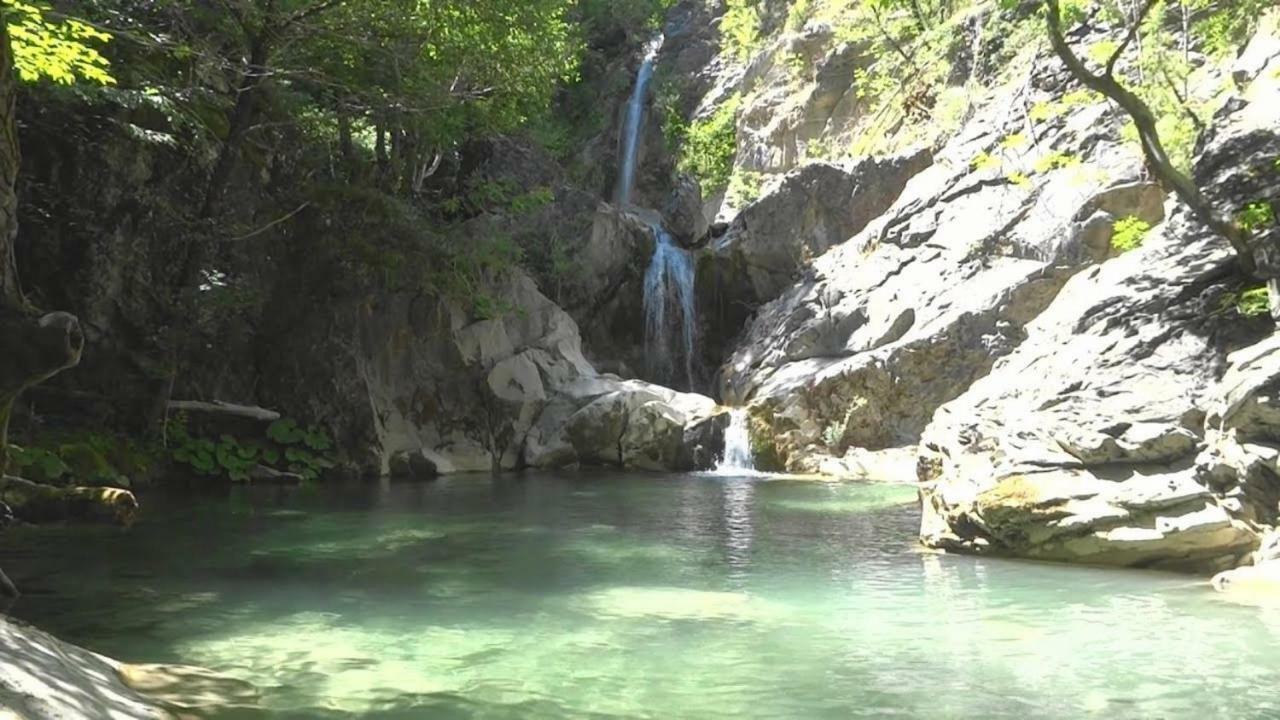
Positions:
(669, 311)
(738, 458)
(631, 131)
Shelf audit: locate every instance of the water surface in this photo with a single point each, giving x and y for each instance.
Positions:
(623, 596)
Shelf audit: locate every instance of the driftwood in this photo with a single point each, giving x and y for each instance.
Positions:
(248, 412)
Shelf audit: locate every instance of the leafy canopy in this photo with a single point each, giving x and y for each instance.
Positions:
(62, 51)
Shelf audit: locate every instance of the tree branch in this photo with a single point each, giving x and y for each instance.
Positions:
(302, 15)
(1149, 136)
(1130, 37)
(271, 224)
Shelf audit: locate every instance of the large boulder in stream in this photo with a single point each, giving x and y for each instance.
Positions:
(454, 392)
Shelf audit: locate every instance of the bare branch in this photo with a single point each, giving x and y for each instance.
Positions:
(304, 14)
(1130, 37)
(268, 226)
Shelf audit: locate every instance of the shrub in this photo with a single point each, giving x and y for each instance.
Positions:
(740, 28)
(1254, 302)
(710, 146)
(1129, 234)
(286, 446)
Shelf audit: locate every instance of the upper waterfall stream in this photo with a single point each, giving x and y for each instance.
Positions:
(670, 315)
(634, 126)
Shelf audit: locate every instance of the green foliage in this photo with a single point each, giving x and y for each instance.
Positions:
(465, 271)
(1221, 27)
(82, 458)
(740, 28)
(1055, 161)
(1129, 234)
(1256, 216)
(710, 145)
(62, 51)
(1254, 302)
(38, 464)
(798, 14)
(745, 187)
(285, 446)
(1164, 68)
(599, 17)
(666, 103)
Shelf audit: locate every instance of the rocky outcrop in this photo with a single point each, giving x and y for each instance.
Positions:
(1123, 430)
(452, 392)
(43, 678)
(769, 244)
(904, 317)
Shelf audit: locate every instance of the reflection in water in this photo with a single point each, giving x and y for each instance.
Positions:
(634, 597)
(738, 494)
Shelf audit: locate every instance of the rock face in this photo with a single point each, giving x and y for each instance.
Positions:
(1123, 429)
(455, 393)
(1056, 398)
(902, 318)
(772, 240)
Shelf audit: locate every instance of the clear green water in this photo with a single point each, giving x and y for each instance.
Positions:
(613, 596)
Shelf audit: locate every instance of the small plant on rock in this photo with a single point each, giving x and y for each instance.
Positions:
(1129, 234)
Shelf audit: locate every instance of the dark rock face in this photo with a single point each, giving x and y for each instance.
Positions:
(703, 445)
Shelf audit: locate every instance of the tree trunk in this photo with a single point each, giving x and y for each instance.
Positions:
(10, 291)
(242, 117)
(32, 349)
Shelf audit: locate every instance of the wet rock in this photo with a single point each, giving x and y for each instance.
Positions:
(703, 444)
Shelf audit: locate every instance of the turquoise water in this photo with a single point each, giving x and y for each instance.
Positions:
(616, 596)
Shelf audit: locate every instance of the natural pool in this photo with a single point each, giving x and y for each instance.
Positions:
(622, 596)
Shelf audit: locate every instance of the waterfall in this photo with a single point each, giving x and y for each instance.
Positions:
(669, 311)
(634, 126)
(738, 459)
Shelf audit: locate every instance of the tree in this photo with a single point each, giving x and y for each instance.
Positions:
(33, 348)
(1145, 122)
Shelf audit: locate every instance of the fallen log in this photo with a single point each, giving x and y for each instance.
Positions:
(36, 503)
